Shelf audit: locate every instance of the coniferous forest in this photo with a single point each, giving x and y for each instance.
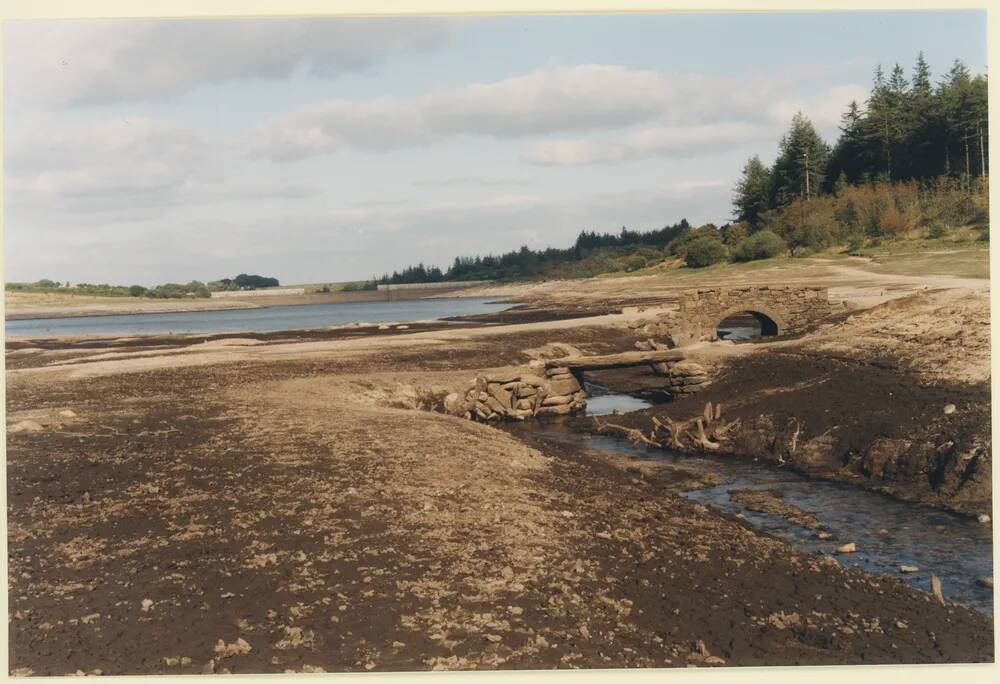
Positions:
(913, 157)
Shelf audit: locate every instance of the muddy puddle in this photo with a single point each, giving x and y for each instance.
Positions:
(888, 533)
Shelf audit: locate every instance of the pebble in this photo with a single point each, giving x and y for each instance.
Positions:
(850, 547)
(146, 605)
(908, 568)
(983, 519)
(949, 409)
(824, 535)
(985, 582)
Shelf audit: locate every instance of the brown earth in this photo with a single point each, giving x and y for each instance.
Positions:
(288, 503)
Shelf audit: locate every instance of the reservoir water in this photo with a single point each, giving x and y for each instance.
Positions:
(261, 320)
(888, 533)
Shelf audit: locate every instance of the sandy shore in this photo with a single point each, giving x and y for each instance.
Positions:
(295, 501)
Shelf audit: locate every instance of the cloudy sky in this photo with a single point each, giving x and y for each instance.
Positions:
(146, 151)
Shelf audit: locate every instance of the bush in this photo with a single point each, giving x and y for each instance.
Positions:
(634, 263)
(809, 239)
(136, 291)
(705, 251)
(762, 245)
(937, 229)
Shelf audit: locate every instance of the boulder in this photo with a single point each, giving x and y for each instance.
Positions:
(566, 385)
(454, 405)
(500, 394)
(561, 410)
(558, 400)
(495, 405)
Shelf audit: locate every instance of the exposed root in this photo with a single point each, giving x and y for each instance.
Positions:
(633, 435)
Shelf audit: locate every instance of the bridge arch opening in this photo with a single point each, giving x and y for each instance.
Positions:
(746, 325)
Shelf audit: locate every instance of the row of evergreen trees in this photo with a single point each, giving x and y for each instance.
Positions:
(906, 130)
(527, 263)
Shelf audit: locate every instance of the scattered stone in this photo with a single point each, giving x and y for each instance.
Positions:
(67, 413)
(850, 547)
(983, 519)
(824, 535)
(909, 568)
(714, 660)
(402, 327)
(25, 426)
(985, 582)
(949, 409)
(239, 647)
(146, 605)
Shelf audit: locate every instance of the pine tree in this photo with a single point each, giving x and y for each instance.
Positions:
(752, 196)
(849, 157)
(802, 159)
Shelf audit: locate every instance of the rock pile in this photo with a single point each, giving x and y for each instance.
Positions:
(519, 394)
(687, 377)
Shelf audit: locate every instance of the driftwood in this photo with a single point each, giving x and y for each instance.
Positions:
(703, 441)
(936, 589)
(633, 435)
(622, 360)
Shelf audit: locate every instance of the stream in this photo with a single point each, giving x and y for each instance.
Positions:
(888, 533)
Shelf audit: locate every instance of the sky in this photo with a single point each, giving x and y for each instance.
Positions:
(333, 149)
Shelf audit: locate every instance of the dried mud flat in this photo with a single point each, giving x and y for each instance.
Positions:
(292, 506)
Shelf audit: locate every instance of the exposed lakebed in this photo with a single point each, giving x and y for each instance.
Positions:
(258, 320)
(888, 533)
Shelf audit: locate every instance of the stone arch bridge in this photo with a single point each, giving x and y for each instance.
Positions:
(780, 310)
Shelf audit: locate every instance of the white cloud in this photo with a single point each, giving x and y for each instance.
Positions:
(674, 141)
(107, 61)
(116, 157)
(681, 114)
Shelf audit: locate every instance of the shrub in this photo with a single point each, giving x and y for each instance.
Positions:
(136, 291)
(734, 233)
(635, 262)
(809, 239)
(937, 229)
(705, 251)
(762, 245)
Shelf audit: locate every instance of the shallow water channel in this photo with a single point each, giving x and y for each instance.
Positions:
(956, 549)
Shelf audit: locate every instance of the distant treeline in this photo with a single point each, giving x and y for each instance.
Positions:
(195, 288)
(528, 263)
